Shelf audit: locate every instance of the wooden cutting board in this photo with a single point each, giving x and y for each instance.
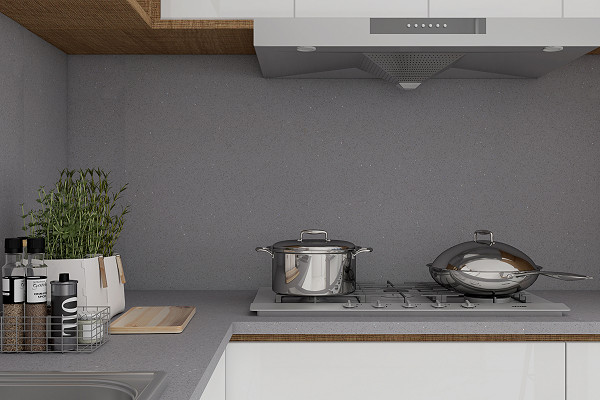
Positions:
(167, 319)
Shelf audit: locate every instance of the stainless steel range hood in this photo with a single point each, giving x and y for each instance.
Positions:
(408, 51)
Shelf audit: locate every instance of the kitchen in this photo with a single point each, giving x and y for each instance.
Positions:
(220, 160)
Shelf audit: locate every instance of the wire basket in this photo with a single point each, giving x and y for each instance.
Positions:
(48, 334)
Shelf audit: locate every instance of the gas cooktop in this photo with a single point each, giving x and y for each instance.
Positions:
(406, 299)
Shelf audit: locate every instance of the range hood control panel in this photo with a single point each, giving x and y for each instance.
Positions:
(440, 26)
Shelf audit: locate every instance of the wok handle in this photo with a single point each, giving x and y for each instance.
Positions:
(313, 232)
(565, 276)
(266, 250)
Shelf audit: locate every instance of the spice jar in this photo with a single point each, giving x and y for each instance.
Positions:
(89, 328)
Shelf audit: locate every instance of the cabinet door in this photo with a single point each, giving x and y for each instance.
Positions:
(362, 8)
(496, 8)
(215, 389)
(415, 371)
(582, 9)
(583, 368)
(223, 9)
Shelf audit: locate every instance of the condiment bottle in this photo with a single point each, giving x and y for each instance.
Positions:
(35, 305)
(13, 295)
(63, 302)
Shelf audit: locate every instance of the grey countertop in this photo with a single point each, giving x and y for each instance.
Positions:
(187, 356)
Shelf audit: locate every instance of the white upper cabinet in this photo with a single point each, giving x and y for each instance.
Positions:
(497, 8)
(226, 9)
(362, 8)
(582, 8)
(249, 9)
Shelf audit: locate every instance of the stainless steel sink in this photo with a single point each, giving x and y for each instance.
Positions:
(82, 385)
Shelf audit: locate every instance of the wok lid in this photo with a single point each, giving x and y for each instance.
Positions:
(484, 255)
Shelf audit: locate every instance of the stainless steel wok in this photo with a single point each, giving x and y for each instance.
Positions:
(485, 268)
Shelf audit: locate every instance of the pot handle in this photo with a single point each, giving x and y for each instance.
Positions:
(483, 232)
(362, 250)
(266, 250)
(313, 232)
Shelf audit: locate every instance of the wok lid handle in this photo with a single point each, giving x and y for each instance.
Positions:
(483, 232)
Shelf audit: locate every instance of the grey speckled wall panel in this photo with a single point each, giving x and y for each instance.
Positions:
(220, 160)
(33, 120)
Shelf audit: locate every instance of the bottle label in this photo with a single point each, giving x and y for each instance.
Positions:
(19, 290)
(36, 290)
(13, 288)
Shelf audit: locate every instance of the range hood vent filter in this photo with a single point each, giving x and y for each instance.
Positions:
(407, 70)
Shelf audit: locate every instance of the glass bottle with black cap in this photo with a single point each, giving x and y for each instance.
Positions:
(13, 295)
(36, 296)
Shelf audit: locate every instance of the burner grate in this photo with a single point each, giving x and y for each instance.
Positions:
(411, 298)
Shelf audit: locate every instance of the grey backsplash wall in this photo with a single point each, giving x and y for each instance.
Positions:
(220, 160)
(33, 120)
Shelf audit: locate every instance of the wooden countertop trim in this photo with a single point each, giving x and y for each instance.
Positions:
(414, 338)
(140, 11)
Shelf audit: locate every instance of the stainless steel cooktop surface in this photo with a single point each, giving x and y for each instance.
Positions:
(409, 299)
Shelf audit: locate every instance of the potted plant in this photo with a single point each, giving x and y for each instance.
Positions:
(79, 220)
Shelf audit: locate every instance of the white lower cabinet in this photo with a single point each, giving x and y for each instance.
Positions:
(215, 389)
(583, 371)
(415, 371)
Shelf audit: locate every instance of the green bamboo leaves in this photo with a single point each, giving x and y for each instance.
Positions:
(77, 216)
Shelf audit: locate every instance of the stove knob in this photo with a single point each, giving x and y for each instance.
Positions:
(468, 304)
(438, 304)
(408, 304)
(349, 304)
(378, 305)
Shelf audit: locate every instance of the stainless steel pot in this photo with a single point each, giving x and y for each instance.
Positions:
(314, 267)
(485, 268)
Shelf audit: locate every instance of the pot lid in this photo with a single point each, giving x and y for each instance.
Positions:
(307, 246)
(484, 256)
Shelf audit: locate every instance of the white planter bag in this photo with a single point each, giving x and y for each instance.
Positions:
(100, 280)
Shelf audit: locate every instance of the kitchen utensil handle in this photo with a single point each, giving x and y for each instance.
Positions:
(565, 276)
(362, 250)
(266, 250)
(313, 232)
(483, 232)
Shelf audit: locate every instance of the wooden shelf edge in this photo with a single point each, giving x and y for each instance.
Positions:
(415, 338)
